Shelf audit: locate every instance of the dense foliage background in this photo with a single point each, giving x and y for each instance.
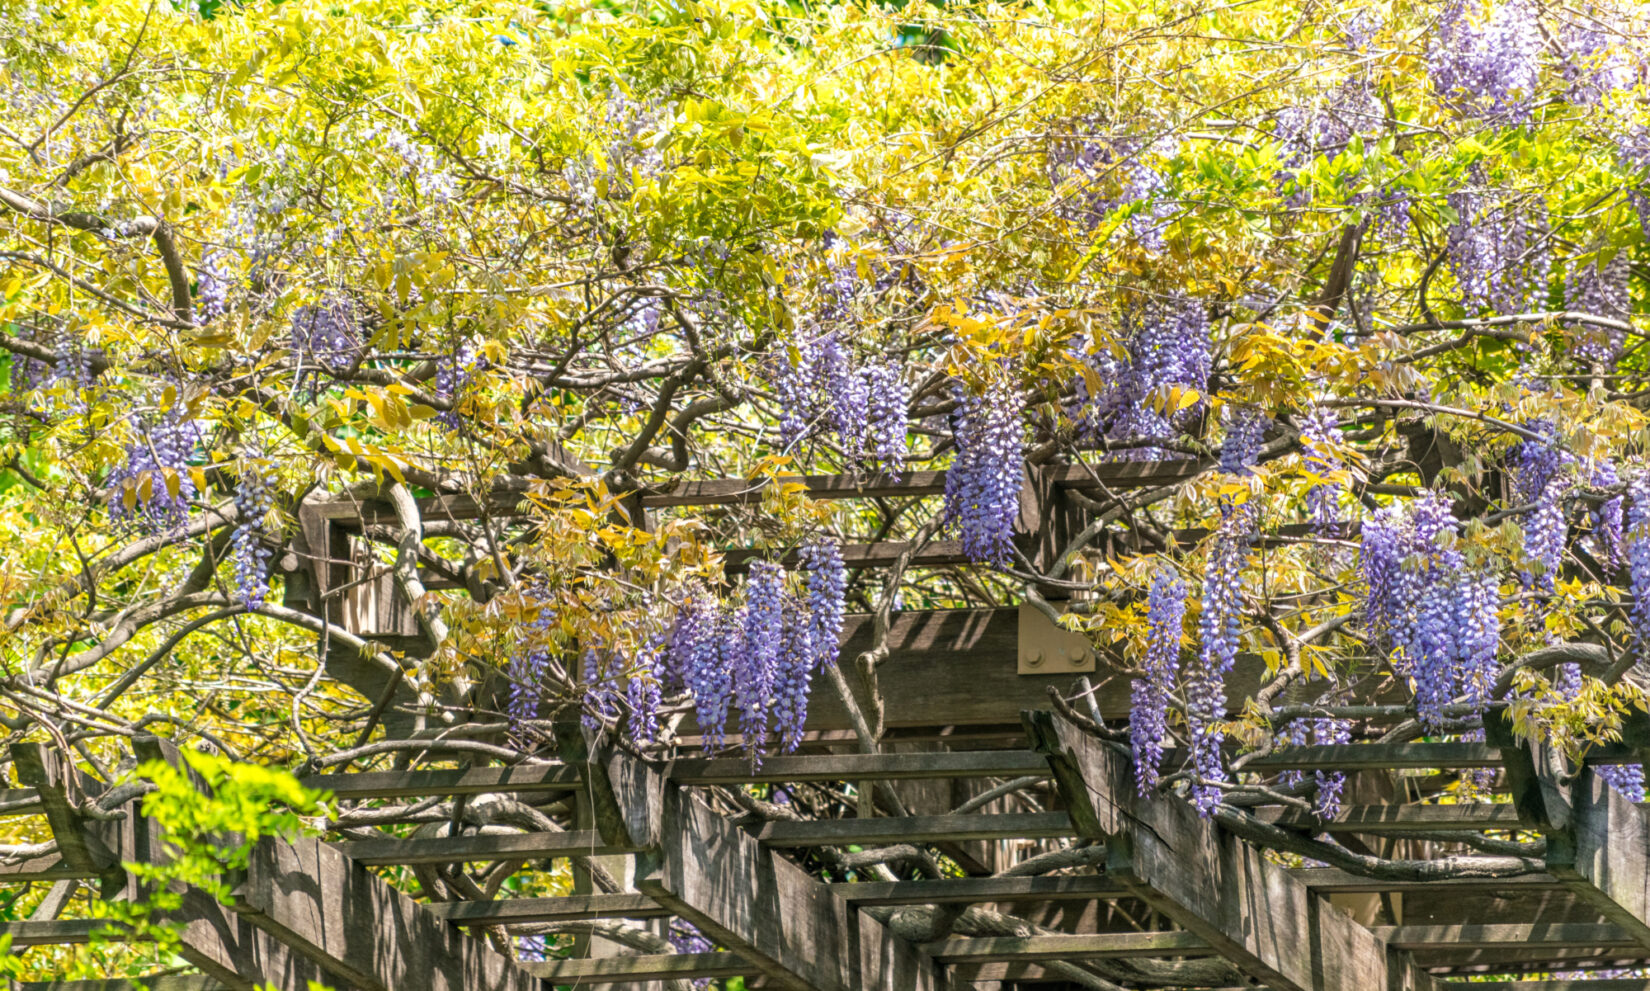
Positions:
(1385, 262)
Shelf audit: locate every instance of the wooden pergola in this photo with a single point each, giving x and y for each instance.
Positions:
(1063, 876)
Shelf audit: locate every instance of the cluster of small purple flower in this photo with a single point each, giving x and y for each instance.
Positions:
(325, 338)
(982, 486)
(1319, 432)
(1331, 784)
(452, 375)
(1491, 68)
(1106, 175)
(1219, 626)
(1499, 256)
(1168, 349)
(643, 690)
(762, 655)
(1637, 548)
(212, 289)
(1439, 615)
(867, 407)
(1245, 429)
(685, 937)
(601, 686)
(1597, 62)
(254, 498)
(154, 486)
(1149, 709)
(531, 659)
(1598, 290)
(1306, 131)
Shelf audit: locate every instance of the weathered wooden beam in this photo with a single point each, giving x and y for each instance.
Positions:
(859, 767)
(63, 932)
(1333, 880)
(795, 930)
(508, 911)
(478, 849)
(1377, 757)
(83, 843)
(649, 967)
(1506, 935)
(1250, 910)
(50, 867)
(737, 491)
(1036, 949)
(916, 829)
(20, 802)
(979, 890)
(159, 982)
(1399, 819)
(470, 781)
(334, 911)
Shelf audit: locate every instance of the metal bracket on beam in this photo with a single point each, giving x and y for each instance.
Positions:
(1045, 648)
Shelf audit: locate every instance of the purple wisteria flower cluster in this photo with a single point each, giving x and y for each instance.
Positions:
(1498, 252)
(1104, 175)
(1489, 66)
(1319, 434)
(1166, 347)
(982, 486)
(1437, 614)
(1151, 693)
(819, 386)
(153, 487)
(1600, 290)
(249, 552)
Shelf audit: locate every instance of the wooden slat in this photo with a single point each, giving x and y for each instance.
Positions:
(1377, 757)
(160, 982)
(1400, 818)
(934, 554)
(916, 829)
(334, 911)
(48, 932)
(1578, 984)
(977, 890)
(421, 784)
(1506, 935)
(859, 767)
(1033, 949)
(649, 967)
(794, 929)
(50, 867)
(1333, 880)
(477, 849)
(80, 842)
(506, 911)
(1604, 857)
(1252, 911)
(20, 802)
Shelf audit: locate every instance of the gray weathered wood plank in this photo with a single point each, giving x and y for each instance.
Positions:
(648, 967)
(975, 890)
(794, 929)
(1035, 949)
(470, 781)
(505, 911)
(859, 767)
(1468, 817)
(1506, 935)
(917, 829)
(477, 849)
(1250, 910)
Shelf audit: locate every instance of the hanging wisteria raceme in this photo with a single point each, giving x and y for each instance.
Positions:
(326, 337)
(1628, 779)
(1305, 131)
(249, 554)
(452, 375)
(1331, 784)
(703, 663)
(818, 386)
(1245, 429)
(982, 486)
(685, 937)
(1498, 251)
(1488, 67)
(1219, 625)
(1478, 634)
(827, 585)
(1598, 58)
(1319, 433)
(643, 691)
(1535, 463)
(1150, 693)
(530, 660)
(1599, 290)
(793, 675)
(1546, 531)
(1168, 349)
(1106, 175)
(1638, 561)
(1607, 519)
(212, 288)
(601, 687)
(756, 666)
(154, 486)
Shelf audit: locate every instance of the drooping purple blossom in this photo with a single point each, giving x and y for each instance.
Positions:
(643, 691)
(1319, 434)
(154, 487)
(1150, 693)
(827, 584)
(1487, 68)
(1168, 348)
(1219, 626)
(249, 553)
(982, 486)
(1598, 290)
(756, 666)
(1498, 251)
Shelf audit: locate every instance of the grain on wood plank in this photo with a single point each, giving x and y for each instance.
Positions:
(1034, 949)
(1399, 818)
(48, 932)
(1252, 911)
(20, 802)
(1505, 935)
(1377, 757)
(648, 967)
(50, 867)
(975, 890)
(1333, 880)
(793, 928)
(471, 781)
(478, 849)
(505, 911)
(916, 829)
(859, 767)
(728, 491)
(159, 982)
